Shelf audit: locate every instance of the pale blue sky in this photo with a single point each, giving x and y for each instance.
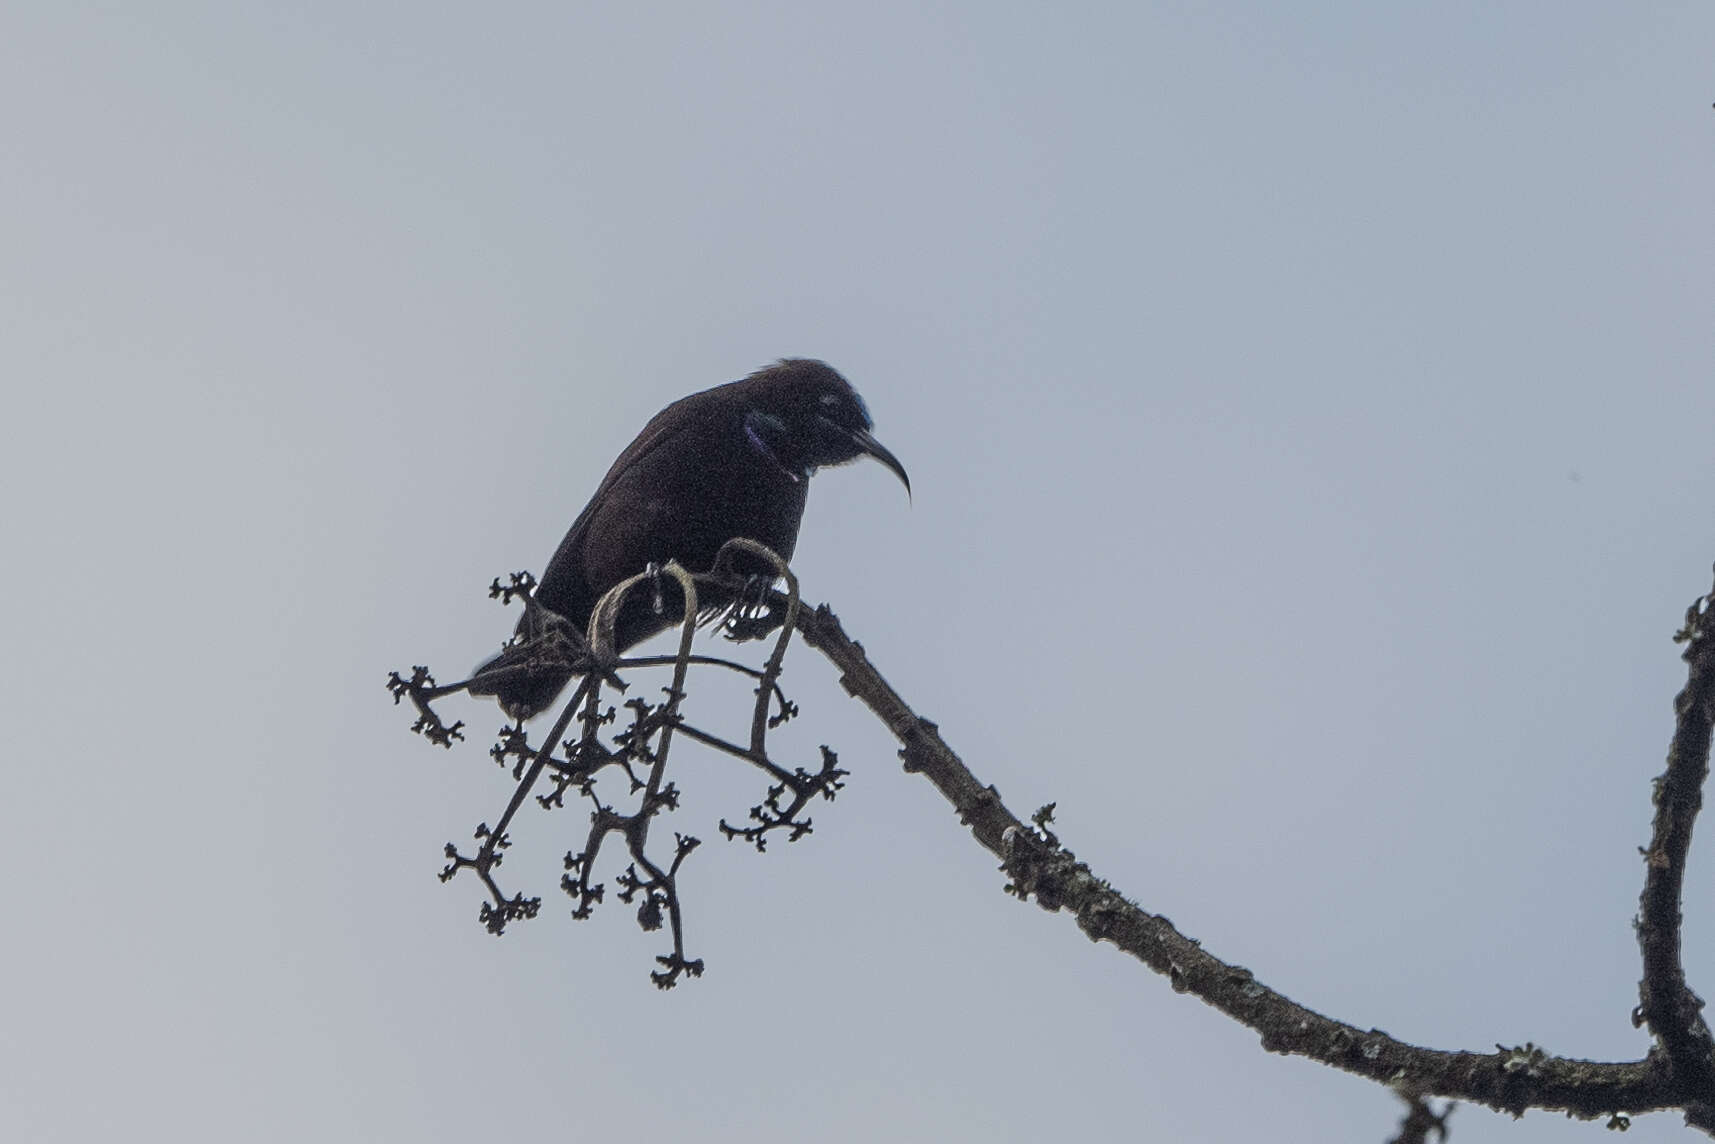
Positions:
(1310, 422)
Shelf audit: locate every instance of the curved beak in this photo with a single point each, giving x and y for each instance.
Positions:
(868, 444)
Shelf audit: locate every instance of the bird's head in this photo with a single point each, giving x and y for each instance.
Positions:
(802, 415)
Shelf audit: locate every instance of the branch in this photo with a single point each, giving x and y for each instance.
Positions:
(1678, 1073)
(1508, 1080)
(1667, 1004)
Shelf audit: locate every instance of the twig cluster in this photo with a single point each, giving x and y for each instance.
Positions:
(636, 746)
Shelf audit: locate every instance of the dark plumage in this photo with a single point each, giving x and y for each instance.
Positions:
(730, 461)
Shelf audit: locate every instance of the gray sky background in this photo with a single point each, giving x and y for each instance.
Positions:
(1310, 417)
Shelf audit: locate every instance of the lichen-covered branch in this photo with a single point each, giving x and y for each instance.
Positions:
(1666, 1002)
(1511, 1079)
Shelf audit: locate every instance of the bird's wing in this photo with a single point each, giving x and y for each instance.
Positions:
(563, 578)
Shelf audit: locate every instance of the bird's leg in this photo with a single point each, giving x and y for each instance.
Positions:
(657, 603)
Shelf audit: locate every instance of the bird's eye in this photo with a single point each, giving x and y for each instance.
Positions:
(829, 400)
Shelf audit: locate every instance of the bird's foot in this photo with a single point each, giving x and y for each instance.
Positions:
(751, 616)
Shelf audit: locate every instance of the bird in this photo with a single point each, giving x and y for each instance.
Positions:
(731, 461)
